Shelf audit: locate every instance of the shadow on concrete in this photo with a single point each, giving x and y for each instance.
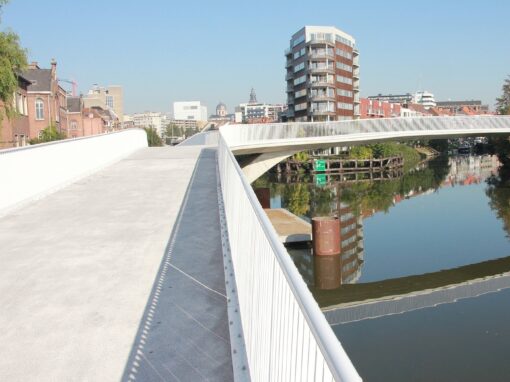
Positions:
(184, 332)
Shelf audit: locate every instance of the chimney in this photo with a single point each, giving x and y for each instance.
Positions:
(53, 69)
(34, 65)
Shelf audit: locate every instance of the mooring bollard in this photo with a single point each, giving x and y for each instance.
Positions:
(326, 236)
(264, 197)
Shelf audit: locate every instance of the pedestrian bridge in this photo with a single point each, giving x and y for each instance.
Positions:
(134, 263)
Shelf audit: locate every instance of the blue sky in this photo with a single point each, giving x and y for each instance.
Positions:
(165, 51)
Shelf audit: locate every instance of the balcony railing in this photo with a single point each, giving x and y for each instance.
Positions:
(322, 55)
(320, 70)
(322, 97)
(321, 83)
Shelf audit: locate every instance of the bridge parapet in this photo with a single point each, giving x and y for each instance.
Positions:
(287, 337)
(33, 171)
(249, 139)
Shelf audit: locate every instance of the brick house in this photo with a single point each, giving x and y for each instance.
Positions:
(14, 132)
(46, 99)
(86, 121)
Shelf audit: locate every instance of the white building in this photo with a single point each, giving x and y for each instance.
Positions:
(425, 98)
(258, 112)
(155, 120)
(190, 110)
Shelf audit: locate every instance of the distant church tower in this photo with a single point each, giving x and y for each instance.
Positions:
(221, 110)
(253, 96)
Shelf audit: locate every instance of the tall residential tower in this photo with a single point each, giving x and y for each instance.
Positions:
(322, 75)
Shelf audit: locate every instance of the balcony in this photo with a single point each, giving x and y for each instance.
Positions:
(289, 63)
(288, 51)
(289, 76)
(355, 73)
(321, 41)
(321, 83)
(321, 97)
(355, 52)
(322, 55)
(317, 112)
(321, 70)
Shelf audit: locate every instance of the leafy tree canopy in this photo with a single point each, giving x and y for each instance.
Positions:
(503, 102)
(153, 138)
(13, 60)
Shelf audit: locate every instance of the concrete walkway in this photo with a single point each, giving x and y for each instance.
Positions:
(118, 276)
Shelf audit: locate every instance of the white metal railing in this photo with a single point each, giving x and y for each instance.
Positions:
(263, 134)
(286, 335)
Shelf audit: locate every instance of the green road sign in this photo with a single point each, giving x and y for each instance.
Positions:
(320, 179)
(319, 165)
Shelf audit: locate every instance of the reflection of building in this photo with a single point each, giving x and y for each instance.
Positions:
(329, 272)
(322, 75)
(465, 170)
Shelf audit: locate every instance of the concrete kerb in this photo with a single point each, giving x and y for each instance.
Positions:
(238, 348)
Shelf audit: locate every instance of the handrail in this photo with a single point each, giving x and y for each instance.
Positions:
(329, 358)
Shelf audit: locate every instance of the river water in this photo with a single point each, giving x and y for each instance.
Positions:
(421, 289)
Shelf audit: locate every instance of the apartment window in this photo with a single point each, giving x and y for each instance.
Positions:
(74, 125)
(344, 93)
(301, 106)
(39, 109)
(342, 66)
(109, 101)
(299, 67)
(343, 53)
(345, 106)
(343, 40)
(300, 93)
(300, 80)
(344, 80)
(298, 40)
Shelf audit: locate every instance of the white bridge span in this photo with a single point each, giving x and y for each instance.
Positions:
(271, 143)
(287, 337)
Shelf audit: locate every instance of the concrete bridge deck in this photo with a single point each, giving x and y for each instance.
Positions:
(118, 276)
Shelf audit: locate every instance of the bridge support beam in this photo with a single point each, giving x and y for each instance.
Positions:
(263, 163)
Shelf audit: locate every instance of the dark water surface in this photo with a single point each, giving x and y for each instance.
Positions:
(430, 249)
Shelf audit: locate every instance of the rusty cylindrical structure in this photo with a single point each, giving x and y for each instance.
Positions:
(326, 236)
(327, 272)
(264, 197)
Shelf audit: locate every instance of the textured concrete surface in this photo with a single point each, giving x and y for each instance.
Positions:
(100, 282)
(289, 227)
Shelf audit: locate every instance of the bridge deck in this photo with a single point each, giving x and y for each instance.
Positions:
(119, 275)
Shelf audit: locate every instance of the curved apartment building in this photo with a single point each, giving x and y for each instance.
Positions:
(322, 75)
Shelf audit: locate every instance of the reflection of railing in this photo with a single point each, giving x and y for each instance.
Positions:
(286, 335)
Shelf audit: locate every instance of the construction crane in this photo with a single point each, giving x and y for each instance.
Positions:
(72, 82)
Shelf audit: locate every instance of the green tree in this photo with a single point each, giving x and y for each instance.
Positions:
(13, 60)
(153, 138)
(503, 102)
(49, 134)
(360, 152)
(172, 130)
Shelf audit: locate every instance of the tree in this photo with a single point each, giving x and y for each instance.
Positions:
(153, 138)
(503, 102)
(13, 60)
(49, 134)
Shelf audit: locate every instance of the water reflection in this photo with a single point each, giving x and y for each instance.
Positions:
(425, 260)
